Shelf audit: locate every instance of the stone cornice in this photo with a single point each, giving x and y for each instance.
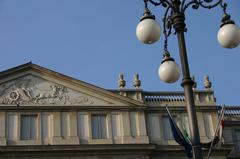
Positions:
(71, 148)
(57, 108)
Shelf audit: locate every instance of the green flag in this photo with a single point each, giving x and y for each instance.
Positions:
(186, 136)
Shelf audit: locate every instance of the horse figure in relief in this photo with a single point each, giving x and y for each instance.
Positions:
(56, 92)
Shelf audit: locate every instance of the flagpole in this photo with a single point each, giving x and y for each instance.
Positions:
(178, 136)
(216, 130)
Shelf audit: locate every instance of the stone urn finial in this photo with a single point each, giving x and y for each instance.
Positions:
(207, 82)
(136, 81)
(195, 83)
(121, 81)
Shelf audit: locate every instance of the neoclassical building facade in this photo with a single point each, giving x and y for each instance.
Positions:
(45, 114)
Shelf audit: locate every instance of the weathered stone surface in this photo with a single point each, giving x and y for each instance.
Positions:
(30, 90)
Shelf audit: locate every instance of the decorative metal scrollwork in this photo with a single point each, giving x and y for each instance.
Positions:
(167, 27)
(208, 4)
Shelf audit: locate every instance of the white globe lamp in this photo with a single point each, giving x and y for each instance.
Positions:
(169, 70)
(228, 34)
(148, 30)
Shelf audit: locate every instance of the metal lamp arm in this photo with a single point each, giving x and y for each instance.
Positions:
(208, 4)
(164, 3)
(193, 3)
(167, 27)
(203, 3)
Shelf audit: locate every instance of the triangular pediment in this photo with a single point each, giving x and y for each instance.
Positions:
(30, 84)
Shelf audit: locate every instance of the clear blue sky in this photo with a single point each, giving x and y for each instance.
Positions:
(95, 40)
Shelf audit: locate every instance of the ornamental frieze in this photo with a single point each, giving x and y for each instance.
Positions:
(29, 90)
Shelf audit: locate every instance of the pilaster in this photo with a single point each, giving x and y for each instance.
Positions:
(142, 128)
(56, 128)
(2, 128)
(202, 129)
(126, 138)
(73, 138)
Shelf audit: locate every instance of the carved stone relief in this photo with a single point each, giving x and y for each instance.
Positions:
(33, 90)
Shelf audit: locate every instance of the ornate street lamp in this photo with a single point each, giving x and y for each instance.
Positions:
(169, 70)
(228, 34)
(148, 32)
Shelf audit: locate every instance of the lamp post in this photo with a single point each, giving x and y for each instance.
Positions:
(148, 32)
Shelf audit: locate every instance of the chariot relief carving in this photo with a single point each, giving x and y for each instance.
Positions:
(32, 90)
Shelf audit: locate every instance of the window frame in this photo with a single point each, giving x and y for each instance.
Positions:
(170, 134)
(101, 133)
(33, 135)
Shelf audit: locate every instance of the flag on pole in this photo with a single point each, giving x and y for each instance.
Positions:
(186, 135)
(179, 137)
(210, 144)
(221, 128)
(218, 132)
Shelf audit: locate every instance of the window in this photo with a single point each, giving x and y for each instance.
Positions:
(237, 140)
(167, 130)
(154, 126)
(28, 127)
(99, 127)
